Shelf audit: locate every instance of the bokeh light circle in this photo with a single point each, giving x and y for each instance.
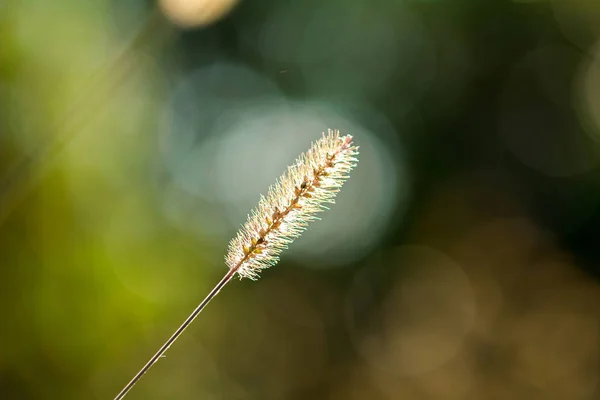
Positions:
(259, 145)
(247, 145)
(538, 122)
(578, 20)
(424, 319)
(193, 13)
(346, 49)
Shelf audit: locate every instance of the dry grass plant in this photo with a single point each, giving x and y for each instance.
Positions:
(305, 189)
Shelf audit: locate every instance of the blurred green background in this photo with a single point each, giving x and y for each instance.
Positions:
(462, 258)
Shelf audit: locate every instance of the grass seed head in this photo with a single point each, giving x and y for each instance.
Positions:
(291, 203)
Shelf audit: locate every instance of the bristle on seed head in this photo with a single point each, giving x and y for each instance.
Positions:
(301, 192)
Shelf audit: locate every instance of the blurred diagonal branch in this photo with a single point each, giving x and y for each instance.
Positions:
(24, 174)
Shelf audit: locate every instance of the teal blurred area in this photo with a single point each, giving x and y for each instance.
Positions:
(460, 261)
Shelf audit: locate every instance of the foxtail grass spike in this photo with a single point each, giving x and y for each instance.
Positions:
(290, 204)
(280, 217)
